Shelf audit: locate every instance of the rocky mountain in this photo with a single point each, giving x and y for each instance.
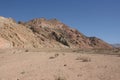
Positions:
(40, 32)
(116, 45)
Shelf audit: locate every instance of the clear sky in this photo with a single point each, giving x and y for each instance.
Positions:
(100, 18)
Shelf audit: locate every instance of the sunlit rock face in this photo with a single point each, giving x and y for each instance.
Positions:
(41, 32)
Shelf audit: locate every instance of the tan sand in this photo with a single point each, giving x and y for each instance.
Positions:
(57, 65)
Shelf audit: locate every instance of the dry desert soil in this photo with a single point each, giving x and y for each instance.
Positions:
(58, 64)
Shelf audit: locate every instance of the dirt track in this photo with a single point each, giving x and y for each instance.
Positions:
(57, 65)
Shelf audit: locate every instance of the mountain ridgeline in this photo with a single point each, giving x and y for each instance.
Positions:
(43, 33)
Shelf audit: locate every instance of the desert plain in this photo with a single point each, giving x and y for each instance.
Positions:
(59, 64)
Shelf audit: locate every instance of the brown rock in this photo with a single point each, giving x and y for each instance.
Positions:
(44, 33)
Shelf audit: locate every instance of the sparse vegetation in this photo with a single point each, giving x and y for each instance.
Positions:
(116, 50)
(56, 55)
(60, 78)
(83, 59)
(23, 72)
(119, 55)
(26, 50)
(52, 57)
(65, 64)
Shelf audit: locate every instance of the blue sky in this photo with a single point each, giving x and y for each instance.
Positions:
(100, 18)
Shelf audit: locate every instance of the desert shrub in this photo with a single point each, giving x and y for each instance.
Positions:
(52, 57)
(83, 59)
(60, 78)
(22, 72)
(119, 55)
(26, 50)
(56, 55)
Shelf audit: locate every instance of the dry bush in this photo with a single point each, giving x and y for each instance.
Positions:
(60, 78)
(26, 50)
(52, 57)
(116, 50)
(83, 59)
(119, 55)
(56, 55)
(22, 72)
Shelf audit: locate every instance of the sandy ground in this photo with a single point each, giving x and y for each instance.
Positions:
(57, 65)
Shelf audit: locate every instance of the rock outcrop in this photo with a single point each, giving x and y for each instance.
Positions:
(41, 32)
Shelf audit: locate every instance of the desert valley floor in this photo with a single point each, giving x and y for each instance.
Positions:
(47, 64)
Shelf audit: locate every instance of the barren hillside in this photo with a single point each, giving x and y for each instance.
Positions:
(41, 32)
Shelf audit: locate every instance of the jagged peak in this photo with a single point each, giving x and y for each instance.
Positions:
(43, 22)
(53, 20)
(3, 19)
(39, 19)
